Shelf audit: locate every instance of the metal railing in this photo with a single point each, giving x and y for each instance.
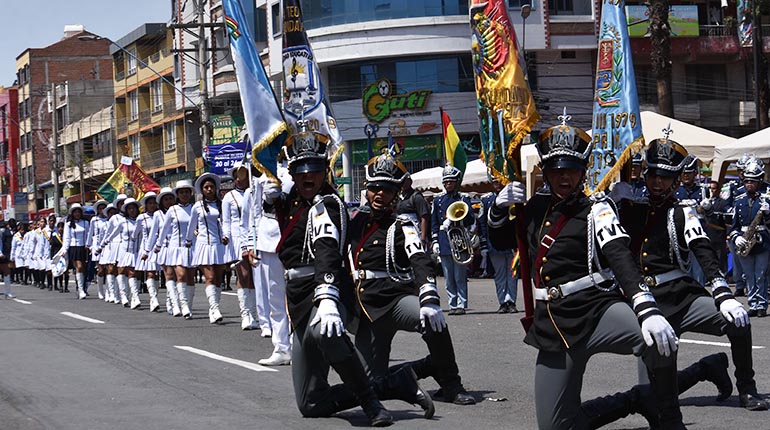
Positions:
(717, 31)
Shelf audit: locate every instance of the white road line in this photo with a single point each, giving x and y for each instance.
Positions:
(229, 293)
(81, 317)
(705, 342)
(245, 364)
(23, 302)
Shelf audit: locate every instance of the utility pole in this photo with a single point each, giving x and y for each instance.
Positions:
(203, 73)
(80, 161)
(55, 163)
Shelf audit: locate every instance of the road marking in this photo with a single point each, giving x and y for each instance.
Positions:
(228, 293)
(23, 302)
(705, 342)
(81, 317)
(251, 366)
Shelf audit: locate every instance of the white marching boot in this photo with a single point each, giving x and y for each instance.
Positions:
(123, 289)
(79, 278)
(113, 284)
(153, 291)
(100, 288)
(183, 303)
(245, 295)
(134, 285)
(172, 298)
(212, 294)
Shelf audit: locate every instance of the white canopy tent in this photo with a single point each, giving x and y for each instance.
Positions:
(757, 143)
(698, 141)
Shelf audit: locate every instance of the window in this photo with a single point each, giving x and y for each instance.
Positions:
(133, 141)
(133, 105)
(170, 133)
(156, 88)
(276, 15)
(321, 13)
(706, 82)
(131, 58)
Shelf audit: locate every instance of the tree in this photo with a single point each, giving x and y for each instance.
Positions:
(660, 55)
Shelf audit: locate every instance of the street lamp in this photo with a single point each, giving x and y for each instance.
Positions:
(526, 9)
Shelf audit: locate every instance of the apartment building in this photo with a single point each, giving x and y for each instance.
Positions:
(9, 151)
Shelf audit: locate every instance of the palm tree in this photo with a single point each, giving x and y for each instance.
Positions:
(660, 55)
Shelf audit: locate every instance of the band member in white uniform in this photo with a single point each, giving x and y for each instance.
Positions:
(251, 224)
(109, 251)
(232, 211)
(74, 246)
(210, 253)
(177, 254)
(111, 288)
(126, 253)
(155, 249)
(30, 237)
(269, 267)
(95, 233)
(142, 231)
(44, 252)
(16, 258)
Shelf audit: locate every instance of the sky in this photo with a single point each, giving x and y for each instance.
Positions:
(39, 23)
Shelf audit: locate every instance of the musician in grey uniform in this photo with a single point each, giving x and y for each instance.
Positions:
(751, 238)
(576, 243)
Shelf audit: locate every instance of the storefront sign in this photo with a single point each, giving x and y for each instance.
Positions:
(223, 157)
(380, 102)
(682, 19)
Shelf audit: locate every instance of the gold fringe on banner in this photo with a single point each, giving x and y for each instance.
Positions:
(264, 143)
(635, 146)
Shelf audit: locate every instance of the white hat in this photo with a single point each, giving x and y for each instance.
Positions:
(184, 183)
(120, 197)
(203, 177)
(163, 192)
(73, 207)
(107, 208)
(235, 168)
(129, 201)
(149, 195)
(98, 203)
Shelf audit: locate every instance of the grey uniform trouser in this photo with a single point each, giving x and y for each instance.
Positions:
(559, 375)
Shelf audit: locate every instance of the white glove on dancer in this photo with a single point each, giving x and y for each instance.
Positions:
(329, 317)
(271, 192)
(740, 242)
(435, 317)
(621, 191)
(446, 224)
(435, 248)
(656, 329)
(706, 204)
(734, 312)
(511, 194)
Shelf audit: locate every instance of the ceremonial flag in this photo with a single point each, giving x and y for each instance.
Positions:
(264, 120)
(127, 176)
(506, 107)
(617, 124)
(303, 95)
(453, 149)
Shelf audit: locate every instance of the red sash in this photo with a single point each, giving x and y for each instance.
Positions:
(547, 241)
(289, 227)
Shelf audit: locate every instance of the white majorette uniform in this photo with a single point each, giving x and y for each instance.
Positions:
(95, 233)
(177, 254)
(155, 241)
(232, 209)
(110, 251)
(16, 246)
(122, 233)
(144, 224)
(74, 247)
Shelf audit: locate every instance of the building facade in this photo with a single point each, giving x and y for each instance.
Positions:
(75, 57)
(9, 151)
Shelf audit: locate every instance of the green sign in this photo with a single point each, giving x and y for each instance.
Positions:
(343, 180)
(412, 148)
(226, 128)
(380, 102)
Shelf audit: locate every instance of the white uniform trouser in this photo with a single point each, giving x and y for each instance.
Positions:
(263, 300)
(272, 279)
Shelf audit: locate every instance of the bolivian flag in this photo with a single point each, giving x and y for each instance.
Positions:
(127, 173)
(453, 149)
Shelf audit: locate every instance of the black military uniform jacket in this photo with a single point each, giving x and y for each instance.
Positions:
(322, 249)
(368, 236)
(564, 322)
(647, 225)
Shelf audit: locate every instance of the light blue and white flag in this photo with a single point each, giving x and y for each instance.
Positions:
(264, 118)
(617, 124)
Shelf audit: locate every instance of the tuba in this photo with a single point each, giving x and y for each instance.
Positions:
(751, 233)
(459, 238)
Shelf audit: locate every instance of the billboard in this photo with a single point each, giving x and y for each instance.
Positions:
(682, 19)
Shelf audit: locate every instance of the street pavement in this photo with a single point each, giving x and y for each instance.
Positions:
(122, 369)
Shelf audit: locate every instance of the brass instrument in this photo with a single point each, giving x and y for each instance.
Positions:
(459, 238)
(750, 235)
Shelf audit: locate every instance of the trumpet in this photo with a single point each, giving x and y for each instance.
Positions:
(459, 239)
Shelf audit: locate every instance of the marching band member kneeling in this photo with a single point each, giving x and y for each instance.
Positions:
(577, 243)
(396, 284)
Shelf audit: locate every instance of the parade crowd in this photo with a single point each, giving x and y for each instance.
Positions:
(624, 273)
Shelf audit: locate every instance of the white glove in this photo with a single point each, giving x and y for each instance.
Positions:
(435, 248)
(622, 191)
(657, 330)
(740, 242)
(511, 194)
(734, 312)
(435, 317)
(706, 204)
(270, 192)
(329, 317)
(446, 224)
(764, 206)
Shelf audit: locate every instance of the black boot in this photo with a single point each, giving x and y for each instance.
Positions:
(444, 365)
(354, 377)
(423, 367)
(712, 368)
(402, 385)
(740, 346)
(664, 390)
(608, 409)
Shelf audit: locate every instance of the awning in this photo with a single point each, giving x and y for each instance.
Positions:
(757, 143)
